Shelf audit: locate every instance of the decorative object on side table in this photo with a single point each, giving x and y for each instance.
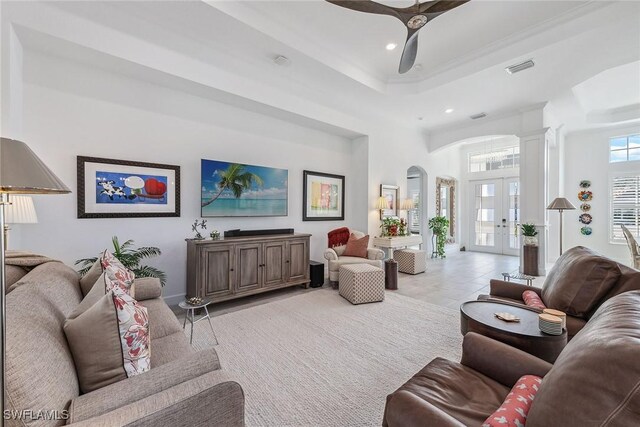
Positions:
(322, 196)
(439, 226)
(389, 206)
(196, 227)
(391, 227)
(20, 211)
(234, 189)
(215, 235)
(194, 300)
(560, 204)
(507, 317)
(549, 324)
(130, 258)
(110, 188)
(22, 173)
(530, 233)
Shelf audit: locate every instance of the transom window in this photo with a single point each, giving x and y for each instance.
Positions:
(624, 148)
(625, 205)
(498, 158)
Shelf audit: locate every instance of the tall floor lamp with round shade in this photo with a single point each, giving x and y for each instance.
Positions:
(560, 204)
(21, 172)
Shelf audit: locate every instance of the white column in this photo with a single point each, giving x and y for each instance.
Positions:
(534, 166)
(11, 79)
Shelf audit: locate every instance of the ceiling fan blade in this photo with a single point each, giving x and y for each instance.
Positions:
(409, 53)
(367, 6)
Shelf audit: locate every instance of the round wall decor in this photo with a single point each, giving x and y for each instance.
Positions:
(585, 196)
(585, 183)
(586, 231)
(585, 218)
(585, 207)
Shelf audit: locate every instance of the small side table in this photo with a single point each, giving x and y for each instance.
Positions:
(391, 274)
(191, 314)
(518, 276)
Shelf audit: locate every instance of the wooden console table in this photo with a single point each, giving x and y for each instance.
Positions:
(234, 267)
(397, 242)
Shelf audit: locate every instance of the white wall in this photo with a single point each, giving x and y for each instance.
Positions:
(586, 156)
(72, 109)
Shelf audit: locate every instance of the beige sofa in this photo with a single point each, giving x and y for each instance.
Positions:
(183, 388)
(375, 257)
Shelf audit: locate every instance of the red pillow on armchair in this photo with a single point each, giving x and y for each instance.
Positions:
(357, 247)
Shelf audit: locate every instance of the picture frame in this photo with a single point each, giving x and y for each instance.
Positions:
(323, 196)
(257, 191)
(113, 188)
(389, 192)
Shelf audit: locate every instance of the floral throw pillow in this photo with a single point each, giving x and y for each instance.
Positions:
(117, 273)
(133, 323)
(513, 411)
(532, 299)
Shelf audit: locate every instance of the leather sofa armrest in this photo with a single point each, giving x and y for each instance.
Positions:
(156, 380)
(500, 361)
(500, 288)
(212, 399)
(375, 254)
(147, 288)
(405, 409)
(330, 255)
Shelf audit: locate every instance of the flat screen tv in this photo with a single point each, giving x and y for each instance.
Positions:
(237, 189)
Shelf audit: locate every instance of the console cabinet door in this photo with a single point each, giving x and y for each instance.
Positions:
(217, 270)
(250, 261)
(275, 264)
(297, 260)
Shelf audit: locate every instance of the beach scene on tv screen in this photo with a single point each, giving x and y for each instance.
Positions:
(236, 189)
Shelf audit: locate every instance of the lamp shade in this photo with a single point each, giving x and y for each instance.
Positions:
(22, 172)
(560, 204)
(407, 204)
(382, 203)
(20, 211)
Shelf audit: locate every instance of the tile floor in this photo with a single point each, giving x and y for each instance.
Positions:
(449, 282)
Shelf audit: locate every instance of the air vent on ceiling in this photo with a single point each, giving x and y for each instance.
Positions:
(516, 68)
(478, 116)
(282, 60)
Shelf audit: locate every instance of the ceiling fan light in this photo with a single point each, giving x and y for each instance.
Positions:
(391, 46)
(449, 110)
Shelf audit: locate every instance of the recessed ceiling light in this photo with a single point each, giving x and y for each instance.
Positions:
(449, 110)
(391, 46)
(417, 67)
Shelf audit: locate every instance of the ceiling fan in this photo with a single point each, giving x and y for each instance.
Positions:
(413, 17)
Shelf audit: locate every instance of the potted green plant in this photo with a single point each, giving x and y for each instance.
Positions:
(529, 234)
(130, 258)
(439, 225)
(390, 227)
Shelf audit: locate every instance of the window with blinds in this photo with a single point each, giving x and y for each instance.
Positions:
(625, 206)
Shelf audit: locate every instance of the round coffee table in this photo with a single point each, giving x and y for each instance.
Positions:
(479, 317)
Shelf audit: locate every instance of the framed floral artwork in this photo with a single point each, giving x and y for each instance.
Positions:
(390, 193)
(323, 196)
(110, 188)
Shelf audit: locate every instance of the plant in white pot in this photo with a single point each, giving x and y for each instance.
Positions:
(529, 234)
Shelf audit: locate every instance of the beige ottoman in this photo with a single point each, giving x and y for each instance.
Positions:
(361, 283)
(411, 261)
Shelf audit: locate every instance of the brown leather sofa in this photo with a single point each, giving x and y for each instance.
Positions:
(579, 282)
(594, 382)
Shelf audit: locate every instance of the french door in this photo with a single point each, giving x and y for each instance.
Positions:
(495, 214)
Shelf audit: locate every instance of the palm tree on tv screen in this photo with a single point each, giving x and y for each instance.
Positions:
(237, 179)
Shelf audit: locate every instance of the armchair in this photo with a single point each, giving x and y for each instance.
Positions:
(579, 282)
(633, 247)
(334, 255)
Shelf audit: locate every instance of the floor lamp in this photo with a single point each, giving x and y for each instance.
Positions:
(560, 204)
(21, 172)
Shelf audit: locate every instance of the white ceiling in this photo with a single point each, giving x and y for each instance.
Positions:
(340, 68)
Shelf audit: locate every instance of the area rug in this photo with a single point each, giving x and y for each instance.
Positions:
(316, 360)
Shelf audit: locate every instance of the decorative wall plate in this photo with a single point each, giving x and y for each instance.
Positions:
(585, 183)
(586, 231)
(585, 207)
(585, 196)
(585, 218)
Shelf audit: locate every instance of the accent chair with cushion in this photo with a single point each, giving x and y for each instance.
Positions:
(594, 382)
(183, 386)
(335, 255)
(579, 282)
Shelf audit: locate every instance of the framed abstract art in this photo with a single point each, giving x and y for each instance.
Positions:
(110, 188)
(390, 193)
(322, 196)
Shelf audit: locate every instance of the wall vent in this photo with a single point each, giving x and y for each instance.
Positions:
(478, 116)
(516, 68)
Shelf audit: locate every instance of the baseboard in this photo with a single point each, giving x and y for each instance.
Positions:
(173, 300)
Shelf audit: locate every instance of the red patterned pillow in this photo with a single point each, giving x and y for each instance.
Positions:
(532, 299)
(513, 411)
(116, 273)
